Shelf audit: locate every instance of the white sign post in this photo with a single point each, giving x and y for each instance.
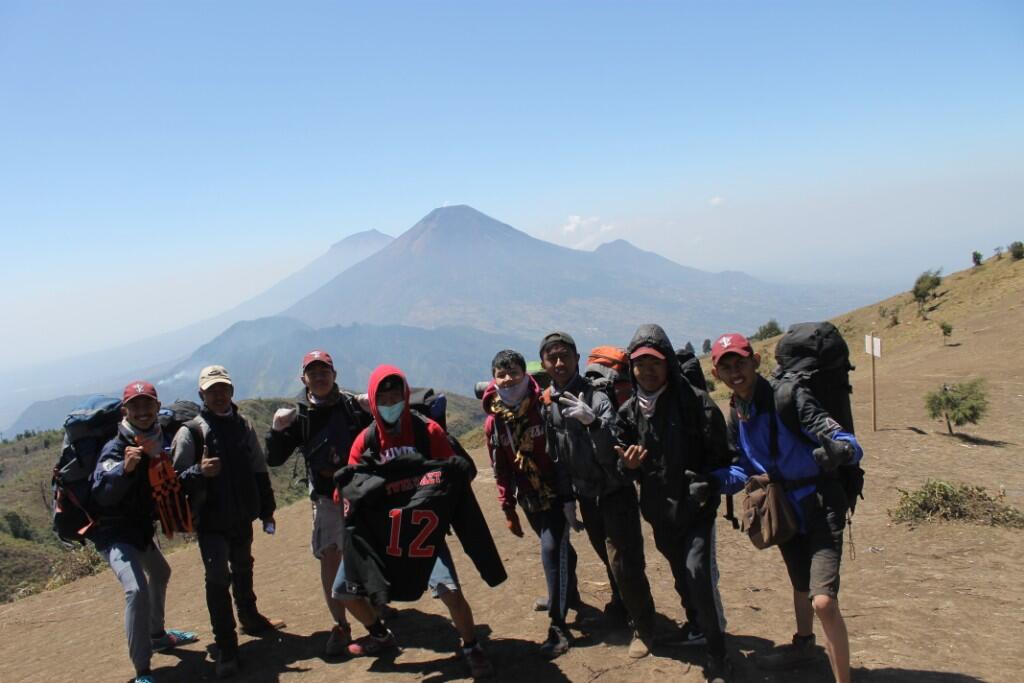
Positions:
(873, 347)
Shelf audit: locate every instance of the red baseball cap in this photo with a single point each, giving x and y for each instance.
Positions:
(646, 351)
(317, 356)
(138, 388)
(733, 342)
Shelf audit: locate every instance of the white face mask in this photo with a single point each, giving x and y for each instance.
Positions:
(513, 395)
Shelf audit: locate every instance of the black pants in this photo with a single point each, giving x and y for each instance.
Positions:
(559, 560)
(613, 526)
(690, 554)
(227, 559)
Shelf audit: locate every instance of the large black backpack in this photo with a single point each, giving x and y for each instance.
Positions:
(689, 365)
(816, 356)
(180, 414)
(87, 429)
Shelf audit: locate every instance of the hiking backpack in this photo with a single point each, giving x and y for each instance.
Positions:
(87, 429)
(608, 369)
(689, 365)
(816, 356)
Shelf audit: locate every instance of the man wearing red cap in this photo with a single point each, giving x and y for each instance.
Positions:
(125, 518)
(677, 439)
(805, 460)
(322, 425)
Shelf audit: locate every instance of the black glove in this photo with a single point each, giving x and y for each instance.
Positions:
(831, 454)
(700, 487)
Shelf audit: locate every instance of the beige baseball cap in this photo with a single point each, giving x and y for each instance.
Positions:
(213, 374)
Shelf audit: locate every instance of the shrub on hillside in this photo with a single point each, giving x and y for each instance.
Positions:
(958, 404)
(945, 501)
(766, 331)
(18, 526)
(924, 288)
(947, 331)
(74, 564)
(976, 258)
(1017, 250)
(999, 253)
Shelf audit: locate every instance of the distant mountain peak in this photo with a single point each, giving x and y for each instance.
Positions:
(358, 239)
(460, 224)
(618, 245)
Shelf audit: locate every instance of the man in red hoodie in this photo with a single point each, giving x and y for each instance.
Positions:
(525, 473)
(396, 431)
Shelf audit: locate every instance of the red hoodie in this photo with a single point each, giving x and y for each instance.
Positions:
(390, 443)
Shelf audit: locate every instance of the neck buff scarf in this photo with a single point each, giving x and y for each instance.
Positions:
(516, 422)
(512, 396)
(168, 498)
(648, 399)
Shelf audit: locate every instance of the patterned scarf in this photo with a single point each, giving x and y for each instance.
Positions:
(168, 497)
(517, 422)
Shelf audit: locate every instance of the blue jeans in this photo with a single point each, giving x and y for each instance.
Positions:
(144, 575)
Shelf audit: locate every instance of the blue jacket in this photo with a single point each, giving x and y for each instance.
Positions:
(751, 435)
(123, 500)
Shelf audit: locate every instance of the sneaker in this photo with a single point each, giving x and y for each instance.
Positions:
(640, 646)
(479, 664)
(227, 667)
(686, 635)
(557, 643)
(371, 646)
(800, 651)
(337, 642)
(172, 638)
(255, 624)
(717, 670)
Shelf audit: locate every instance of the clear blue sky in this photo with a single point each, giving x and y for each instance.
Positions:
(215, 147)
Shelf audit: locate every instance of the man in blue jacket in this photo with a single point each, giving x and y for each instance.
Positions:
(807, 463)
(125, 514)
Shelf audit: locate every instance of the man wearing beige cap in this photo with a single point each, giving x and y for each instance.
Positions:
(228, 485)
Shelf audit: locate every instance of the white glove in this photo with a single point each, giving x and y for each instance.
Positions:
(576, 407)
(364, 401)
(569, 509)
(283, 417)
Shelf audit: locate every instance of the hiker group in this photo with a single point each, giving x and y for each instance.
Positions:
(632, 435)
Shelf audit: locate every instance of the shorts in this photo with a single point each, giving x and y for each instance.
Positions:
(328, 526)
(812, 558)
(443, 579)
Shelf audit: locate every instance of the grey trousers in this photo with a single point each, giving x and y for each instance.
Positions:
(144, 575)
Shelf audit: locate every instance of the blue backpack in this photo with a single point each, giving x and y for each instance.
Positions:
(87, 429)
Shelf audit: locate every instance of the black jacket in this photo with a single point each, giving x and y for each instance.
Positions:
(241, 492)
(686, 432)
(324, 434)
(397, 514)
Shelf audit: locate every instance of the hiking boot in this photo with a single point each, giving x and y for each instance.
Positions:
(717, 670)
(371, 646)
(479, 664)
(615, 613)
(227, 666)
(337, 643)
(557, 643)
(640, 646)
(800, 651)
(255, 624)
